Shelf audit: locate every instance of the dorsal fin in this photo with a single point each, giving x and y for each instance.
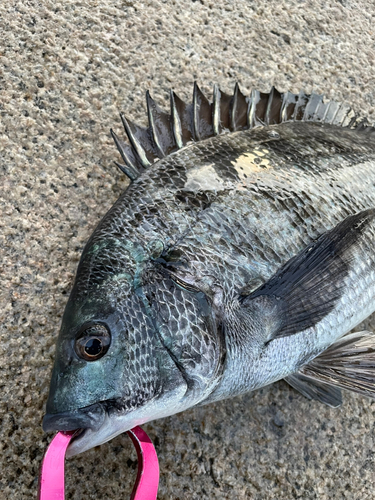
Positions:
(238, 106)
(221, 106)
(185, 114)
(312, 107)
(299, 109)
(160, 124)
(258, 108)
(140, 142)
(202, 115)
(126, 153)
(275, 101)
(168, 132)
(176, 122)
(287, 108)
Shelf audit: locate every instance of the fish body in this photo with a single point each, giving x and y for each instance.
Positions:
(233, 261)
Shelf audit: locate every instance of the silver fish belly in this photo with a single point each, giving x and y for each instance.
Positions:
(240, 257)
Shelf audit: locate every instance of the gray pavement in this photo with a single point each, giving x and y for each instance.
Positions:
(66, 70)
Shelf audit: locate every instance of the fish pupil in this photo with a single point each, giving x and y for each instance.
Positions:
(93, 347)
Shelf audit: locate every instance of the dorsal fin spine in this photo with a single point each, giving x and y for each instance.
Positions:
(283, 108)
(129, 168)
(216, 110)
(317, 108)
(326, 111)
(128, 171)
(300, 104)
(238, 118)
(151, 121)
(338, 106)
(176, 122)
(269, 106)
(233, 108)
(348, 117)
(196, 113)
(255, 96)
(312, 106)
(140, 152)
(289, 100)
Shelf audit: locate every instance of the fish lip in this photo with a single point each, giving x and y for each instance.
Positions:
(91, 424)
(91, 417)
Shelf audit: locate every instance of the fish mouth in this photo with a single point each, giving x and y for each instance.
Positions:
(86, 421)
(105, 420)
(95, 425)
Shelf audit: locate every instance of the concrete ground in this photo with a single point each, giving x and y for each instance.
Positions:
(66, 70)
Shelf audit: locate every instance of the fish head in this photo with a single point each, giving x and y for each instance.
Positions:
(132, 348)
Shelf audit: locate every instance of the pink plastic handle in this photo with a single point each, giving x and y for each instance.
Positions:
(147, 482)
(51, 481)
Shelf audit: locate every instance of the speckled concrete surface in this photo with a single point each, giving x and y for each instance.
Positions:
(66, 70)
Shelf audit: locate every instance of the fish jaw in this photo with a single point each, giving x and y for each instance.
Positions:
(102, 422)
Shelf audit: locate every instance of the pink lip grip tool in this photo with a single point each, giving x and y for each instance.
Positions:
(51, 482)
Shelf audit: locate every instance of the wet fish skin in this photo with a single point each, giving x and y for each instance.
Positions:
(171, 265)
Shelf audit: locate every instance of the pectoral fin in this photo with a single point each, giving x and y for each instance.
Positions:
(308, 287)
(348, 364)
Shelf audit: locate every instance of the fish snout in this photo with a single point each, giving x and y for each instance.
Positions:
(91, 417)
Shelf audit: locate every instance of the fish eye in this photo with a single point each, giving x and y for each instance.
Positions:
(92, 342)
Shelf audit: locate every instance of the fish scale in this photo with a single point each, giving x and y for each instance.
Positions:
(240, 254)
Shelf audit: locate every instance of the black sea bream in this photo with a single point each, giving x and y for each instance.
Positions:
(240, 254)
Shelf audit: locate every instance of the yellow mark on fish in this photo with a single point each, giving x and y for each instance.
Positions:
(203, 178)
(252, 162)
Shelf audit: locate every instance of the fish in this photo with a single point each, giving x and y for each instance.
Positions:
(241, 253)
